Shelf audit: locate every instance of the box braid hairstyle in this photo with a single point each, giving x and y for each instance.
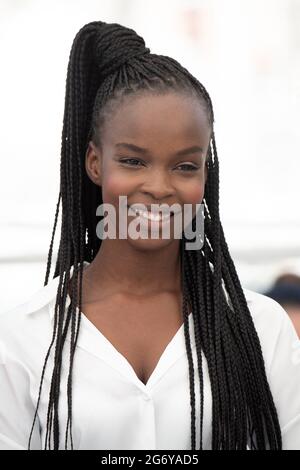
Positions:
(107, 62)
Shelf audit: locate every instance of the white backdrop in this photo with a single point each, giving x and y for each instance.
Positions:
(247, 55)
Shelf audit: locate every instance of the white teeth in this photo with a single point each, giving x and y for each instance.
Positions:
(155, 217)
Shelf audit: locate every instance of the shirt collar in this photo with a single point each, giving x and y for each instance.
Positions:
(47, 294)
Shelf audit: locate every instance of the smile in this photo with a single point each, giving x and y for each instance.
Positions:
(154, 217)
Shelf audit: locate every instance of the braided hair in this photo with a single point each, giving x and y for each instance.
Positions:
(107, 63)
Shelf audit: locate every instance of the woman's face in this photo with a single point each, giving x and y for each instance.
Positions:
(139, 156)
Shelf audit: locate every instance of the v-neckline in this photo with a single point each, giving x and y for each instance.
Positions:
(163, 360)
(88, 340)
(92, 340)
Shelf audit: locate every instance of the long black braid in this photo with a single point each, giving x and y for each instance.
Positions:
(107, 63)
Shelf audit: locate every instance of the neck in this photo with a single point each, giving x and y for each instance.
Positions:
(118, 267)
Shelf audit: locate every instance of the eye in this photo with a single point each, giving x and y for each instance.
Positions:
(132, 160)
(188, 167)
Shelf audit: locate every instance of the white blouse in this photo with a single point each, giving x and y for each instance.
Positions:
(112, 408)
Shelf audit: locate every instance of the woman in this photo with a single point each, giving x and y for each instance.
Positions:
(152, 345)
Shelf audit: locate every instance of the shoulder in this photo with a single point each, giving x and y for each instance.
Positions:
(28, 324)
(35, 303)
(281, 352)
(273, 325)
(264, 309)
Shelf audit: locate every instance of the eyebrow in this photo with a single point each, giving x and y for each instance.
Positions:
(180, 153)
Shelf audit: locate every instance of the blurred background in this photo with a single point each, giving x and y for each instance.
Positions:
(247, 55)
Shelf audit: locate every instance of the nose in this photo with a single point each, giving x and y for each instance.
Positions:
(158, 186)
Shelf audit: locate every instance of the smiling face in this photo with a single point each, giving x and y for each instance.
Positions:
(153, 150)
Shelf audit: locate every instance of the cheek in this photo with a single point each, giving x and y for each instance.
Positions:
(114, 184)
(194, 192)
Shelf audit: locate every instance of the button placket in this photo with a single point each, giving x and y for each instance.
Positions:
(149, 438)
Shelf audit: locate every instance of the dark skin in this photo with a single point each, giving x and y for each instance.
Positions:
(132, 289)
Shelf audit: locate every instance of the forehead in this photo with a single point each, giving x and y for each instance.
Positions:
(160, 119)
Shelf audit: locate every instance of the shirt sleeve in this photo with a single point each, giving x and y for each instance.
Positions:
(16, 407)
(284, 379)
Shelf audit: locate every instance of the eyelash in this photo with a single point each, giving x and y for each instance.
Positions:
(191, 167)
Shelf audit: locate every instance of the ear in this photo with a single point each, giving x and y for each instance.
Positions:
(93, 160)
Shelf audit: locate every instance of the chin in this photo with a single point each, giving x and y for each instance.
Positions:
(151, 244)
